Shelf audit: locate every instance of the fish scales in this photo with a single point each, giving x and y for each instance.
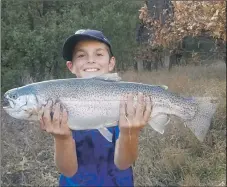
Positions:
(93, 103)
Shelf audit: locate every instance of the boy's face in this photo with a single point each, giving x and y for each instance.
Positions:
(90, 58)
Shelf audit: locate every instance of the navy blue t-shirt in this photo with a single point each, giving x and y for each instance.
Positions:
(95, 156)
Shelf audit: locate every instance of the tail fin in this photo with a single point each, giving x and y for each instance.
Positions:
(200, 124)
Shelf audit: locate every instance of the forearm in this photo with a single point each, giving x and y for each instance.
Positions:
(126, 151)
(65, 156)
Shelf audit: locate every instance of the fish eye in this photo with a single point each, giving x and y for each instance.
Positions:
(13, 96)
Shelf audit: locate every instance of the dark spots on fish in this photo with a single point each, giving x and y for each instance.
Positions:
(57, 100)
(188, 98)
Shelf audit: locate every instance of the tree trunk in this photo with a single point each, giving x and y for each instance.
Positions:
(148, 65)
(166, 59)
(172, 61)
(140, 65)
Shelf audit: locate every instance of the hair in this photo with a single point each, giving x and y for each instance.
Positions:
(108, 50)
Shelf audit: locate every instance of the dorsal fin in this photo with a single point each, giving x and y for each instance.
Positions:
(109, 77)
(161, 86)
(164, 86)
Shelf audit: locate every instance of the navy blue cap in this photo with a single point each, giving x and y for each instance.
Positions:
(81, 35)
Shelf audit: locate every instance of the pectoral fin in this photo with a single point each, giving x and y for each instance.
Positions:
(106, 133)
(159, 122)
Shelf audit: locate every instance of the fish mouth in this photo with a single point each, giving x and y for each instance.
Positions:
(7, 103)
(12, 110)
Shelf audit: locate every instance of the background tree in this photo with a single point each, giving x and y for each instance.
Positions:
(172, 24)
(33, 33)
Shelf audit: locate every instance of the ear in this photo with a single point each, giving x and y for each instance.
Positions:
(69, 64)
(112, 64)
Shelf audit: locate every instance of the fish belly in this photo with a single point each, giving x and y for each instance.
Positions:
(91, 114)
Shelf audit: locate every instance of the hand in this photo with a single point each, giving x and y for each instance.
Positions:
(133, 119)
(58, 125)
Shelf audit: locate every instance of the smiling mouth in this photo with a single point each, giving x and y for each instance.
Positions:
(91, 69)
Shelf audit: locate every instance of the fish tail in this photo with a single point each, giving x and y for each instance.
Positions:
(200, 124)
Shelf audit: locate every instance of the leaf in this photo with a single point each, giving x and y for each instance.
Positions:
(191, 18)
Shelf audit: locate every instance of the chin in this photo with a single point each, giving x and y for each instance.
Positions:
(91, 74)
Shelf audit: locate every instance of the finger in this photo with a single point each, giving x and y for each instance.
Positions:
(40, 118)
(64, 119)
(130, 110)
(46, 115)
(122, 107)
(56, 116)
(40, 112)
(60, 116)
(148, 109)
(42, 124)
(140, 107)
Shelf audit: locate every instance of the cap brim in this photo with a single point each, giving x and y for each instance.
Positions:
(70, 43)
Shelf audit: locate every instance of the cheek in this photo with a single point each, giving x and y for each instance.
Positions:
(76, 66)
(77, 69)
(105, 63)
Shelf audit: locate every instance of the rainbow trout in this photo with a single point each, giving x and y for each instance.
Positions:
(93, 103)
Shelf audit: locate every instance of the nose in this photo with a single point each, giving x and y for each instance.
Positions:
(91, 60)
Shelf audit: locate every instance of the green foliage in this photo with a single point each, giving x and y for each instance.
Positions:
(33, 33)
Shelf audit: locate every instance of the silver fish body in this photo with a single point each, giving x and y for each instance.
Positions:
(93, 103)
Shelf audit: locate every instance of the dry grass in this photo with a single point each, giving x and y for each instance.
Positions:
(175, 158)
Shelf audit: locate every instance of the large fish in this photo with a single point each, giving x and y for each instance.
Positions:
(93, 103)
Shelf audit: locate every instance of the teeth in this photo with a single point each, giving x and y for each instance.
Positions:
(91, 70)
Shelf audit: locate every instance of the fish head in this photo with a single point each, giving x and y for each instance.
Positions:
(21, 104)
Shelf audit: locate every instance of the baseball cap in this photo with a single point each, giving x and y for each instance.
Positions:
(81, 35)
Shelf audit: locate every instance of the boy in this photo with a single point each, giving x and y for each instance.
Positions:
(86, 158)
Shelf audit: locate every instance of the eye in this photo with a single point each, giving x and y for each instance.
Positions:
(99, 54)
(13, 96)
(81, 56)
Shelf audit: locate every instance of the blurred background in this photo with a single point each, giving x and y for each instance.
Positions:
(181, 44)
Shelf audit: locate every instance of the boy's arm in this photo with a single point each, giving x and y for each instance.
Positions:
(65, 148)
(65, 156)
(126, 151)
(132, 120)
